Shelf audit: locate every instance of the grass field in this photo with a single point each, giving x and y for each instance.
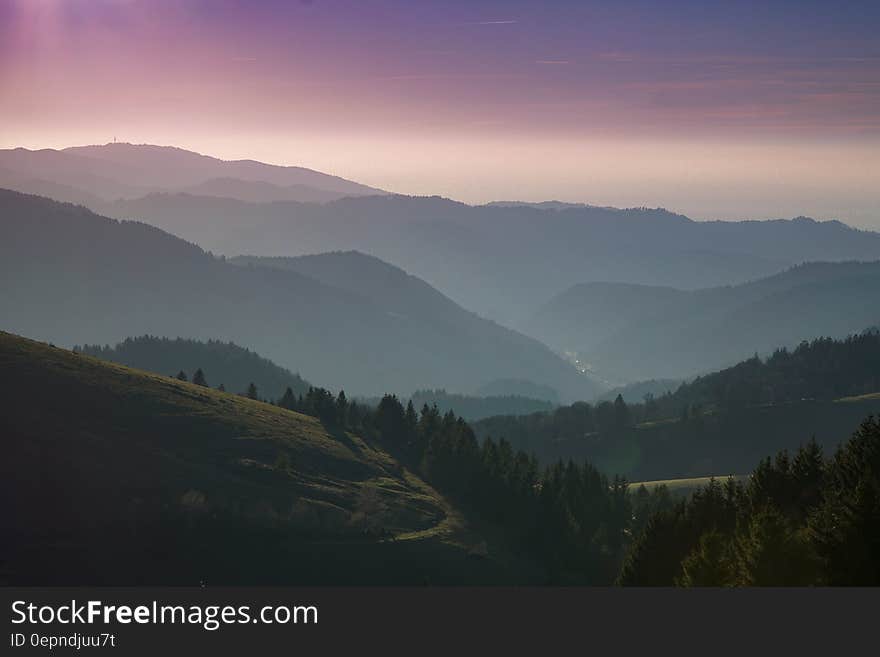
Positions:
(684, 486)
(860, 398)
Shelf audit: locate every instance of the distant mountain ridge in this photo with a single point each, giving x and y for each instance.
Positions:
(75, 277)
(119, 170)
(501, 260)
(642, 332)
(504, 261)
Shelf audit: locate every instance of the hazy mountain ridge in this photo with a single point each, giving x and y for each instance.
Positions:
(642, 332)
(500, 260)
(80, 278)
(503, 261)
(118, 170)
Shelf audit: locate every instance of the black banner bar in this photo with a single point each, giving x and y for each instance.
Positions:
(537, 621)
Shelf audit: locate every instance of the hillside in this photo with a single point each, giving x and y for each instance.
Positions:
(710, 444)
(472, 407)
(637, 332)
(585, 315)
(118, 170)
(75, 277)
(718, 424)
(222, 363)
(476, 408)
(822, 369)
(128, 477)
(504, 262)
(256, 191)
(386, 287)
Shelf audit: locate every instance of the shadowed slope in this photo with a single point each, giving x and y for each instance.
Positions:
(121, 476)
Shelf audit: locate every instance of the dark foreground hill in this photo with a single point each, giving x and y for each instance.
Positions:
(124, 477)
(635, 332)
(73, 277)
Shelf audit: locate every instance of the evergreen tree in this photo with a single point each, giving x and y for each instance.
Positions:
(288, 400)
(181, 376)
(199, 378)
(769, 551)
(709, 564)
(621, 413)
(251, 391)
(845, 530)
(341, 408)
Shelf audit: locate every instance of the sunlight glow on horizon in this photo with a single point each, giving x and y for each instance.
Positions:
(580, 102)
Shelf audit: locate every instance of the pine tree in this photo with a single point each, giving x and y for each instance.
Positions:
(251, 391)
(288, 400)
(341, 408)
(769, 551)
(621, 413)
(709, 563)
(181, 376)
(199, 378)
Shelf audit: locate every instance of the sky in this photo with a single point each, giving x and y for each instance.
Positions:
(715, 109)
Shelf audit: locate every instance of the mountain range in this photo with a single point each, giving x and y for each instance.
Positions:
(637, 332)
(90, 175)
(73, 277)
(502, 260)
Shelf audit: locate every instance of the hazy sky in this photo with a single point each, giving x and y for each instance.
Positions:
(716, 109)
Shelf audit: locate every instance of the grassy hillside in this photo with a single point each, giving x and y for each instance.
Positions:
(119, 170)
(684, 486)
(125, 477)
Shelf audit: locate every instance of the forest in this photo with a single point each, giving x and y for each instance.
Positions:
(798, 519)
(718, 424)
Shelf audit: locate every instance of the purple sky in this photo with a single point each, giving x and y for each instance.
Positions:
(717, 109)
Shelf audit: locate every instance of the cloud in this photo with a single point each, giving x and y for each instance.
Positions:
(553, 62)
(616, 56)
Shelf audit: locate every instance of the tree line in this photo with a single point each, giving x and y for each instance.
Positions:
(222, 362)
(799, 520)
(824, 368)
(572, 519)
(821, 370)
